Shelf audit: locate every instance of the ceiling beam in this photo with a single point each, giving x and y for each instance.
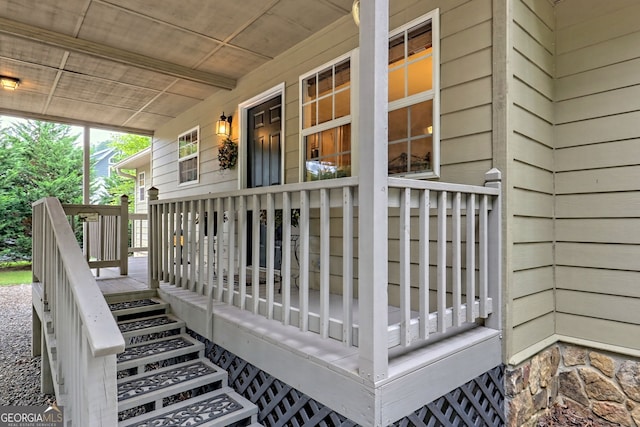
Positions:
(63, 41)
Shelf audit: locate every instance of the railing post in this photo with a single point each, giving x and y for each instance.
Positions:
(152, 240)
(493, 179)
(124, 235)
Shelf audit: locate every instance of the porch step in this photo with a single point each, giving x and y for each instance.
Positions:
(154, 386)
(138, 308)
(150, 325)
(222, 407)
(139, 355)
(199, 386)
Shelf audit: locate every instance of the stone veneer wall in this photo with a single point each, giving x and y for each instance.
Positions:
(599, 385)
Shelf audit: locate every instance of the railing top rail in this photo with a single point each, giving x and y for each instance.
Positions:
(441, 186)
(105, 210)
(138, 216)
(103, 334)
(273, 189)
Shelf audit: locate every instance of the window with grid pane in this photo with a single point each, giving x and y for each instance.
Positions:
(326, 121)
(412, 91)
(188, 152)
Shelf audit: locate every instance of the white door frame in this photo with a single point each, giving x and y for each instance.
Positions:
(243, 108)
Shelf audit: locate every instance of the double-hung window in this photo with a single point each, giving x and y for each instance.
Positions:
(326, 120)
(188, 154)
(413, 99)
(326, 108)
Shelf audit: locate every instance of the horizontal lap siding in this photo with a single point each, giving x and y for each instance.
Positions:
(598, 171)
(531, 179)
(466, 39)
(466, 120)
(466, 125)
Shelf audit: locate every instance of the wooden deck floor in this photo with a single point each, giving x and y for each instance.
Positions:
(111, 282)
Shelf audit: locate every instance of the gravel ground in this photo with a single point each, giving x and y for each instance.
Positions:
(19, 372)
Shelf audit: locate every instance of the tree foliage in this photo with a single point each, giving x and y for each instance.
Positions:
(115, 185)
(37, 159)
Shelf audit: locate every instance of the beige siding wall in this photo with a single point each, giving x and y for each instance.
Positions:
(466, 118)
(598, 171)
(466, 98)
(530, 296)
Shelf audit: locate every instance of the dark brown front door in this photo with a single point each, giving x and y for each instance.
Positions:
(263, 162)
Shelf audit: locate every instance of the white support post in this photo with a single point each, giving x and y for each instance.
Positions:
(373, 190)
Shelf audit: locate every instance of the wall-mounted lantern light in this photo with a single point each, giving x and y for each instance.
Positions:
(9, 83)
(223, 126)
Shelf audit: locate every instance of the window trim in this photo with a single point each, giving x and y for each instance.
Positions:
(190, 156)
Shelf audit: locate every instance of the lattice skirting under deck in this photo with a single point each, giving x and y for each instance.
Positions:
(480, 402)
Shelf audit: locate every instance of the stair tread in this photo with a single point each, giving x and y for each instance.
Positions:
(218, 408)
(137, 325)
(139, 306)
(183, 344)
(139, 303)
(148, 384)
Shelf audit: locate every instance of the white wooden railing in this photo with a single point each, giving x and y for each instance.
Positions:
(445, 274)
(105, 233)
(81, 335)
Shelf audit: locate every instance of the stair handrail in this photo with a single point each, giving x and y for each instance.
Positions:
(79, 320)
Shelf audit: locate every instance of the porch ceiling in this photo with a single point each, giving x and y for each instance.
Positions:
(133, 65)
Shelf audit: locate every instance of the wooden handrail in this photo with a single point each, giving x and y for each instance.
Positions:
(103, 334)
(81, 335)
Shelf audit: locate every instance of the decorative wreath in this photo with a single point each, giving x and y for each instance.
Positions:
(227, 154)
